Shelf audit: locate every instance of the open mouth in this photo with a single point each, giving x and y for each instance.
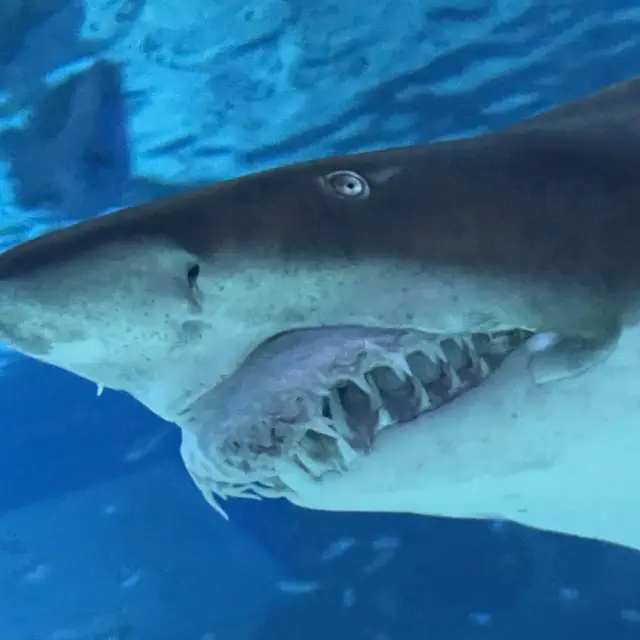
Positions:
(317, 400)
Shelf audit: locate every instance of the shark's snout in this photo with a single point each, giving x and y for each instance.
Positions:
(118, 313)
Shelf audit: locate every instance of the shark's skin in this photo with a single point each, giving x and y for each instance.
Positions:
(534, 227)
(561, 457)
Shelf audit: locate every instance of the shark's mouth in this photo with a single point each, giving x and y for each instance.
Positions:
(313, 401)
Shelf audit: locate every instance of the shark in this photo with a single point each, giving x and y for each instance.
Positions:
(270, 292)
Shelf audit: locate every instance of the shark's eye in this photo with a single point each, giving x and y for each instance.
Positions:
(192, 275)
(346, 184)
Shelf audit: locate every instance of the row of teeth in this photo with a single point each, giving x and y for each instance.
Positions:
(332, 436)
(394, 390)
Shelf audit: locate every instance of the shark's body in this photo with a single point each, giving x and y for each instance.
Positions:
(532, 228)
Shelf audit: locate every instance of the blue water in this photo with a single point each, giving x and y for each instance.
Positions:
(112, 102)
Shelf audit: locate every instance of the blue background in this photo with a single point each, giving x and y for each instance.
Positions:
(111, 102)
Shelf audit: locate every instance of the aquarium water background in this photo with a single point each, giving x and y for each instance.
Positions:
(112, 102)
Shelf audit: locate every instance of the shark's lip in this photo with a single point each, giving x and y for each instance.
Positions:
(320, 430)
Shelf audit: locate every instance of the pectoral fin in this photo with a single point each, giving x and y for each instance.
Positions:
(569, 356)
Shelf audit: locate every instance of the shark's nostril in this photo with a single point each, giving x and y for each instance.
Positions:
(192, 275)
(195, 296)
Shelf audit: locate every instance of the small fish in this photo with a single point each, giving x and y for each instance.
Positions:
(569, 593)
(630, 615)
(385, 542)
(348, 598)
(131, 580)
(37, 573)
(142, 447)
(481, 619)
(337, 549)
(386, 547)
(297, 587)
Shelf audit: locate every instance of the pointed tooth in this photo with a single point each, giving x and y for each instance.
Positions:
(290, 473)
(346, 450)
(384, 419)
(335, 463)
(337, 411)
(484, 368)
(211, 497)
(470, 347)
(374, 395)
(321, 427)
(475, 356)
(455, 379)
(100, 390)
(342, 430)
(339, 416)
(241, 492)
(439, 352)
(362, 384)
(315, 467)
(468, 350)
(423, 396)
(369, 389)
(399, 365)
(270, 492)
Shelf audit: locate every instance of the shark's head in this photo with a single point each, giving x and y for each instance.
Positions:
(140, 300)
(164, 299)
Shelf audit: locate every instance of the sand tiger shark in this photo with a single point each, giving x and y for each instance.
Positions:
(289, 320)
